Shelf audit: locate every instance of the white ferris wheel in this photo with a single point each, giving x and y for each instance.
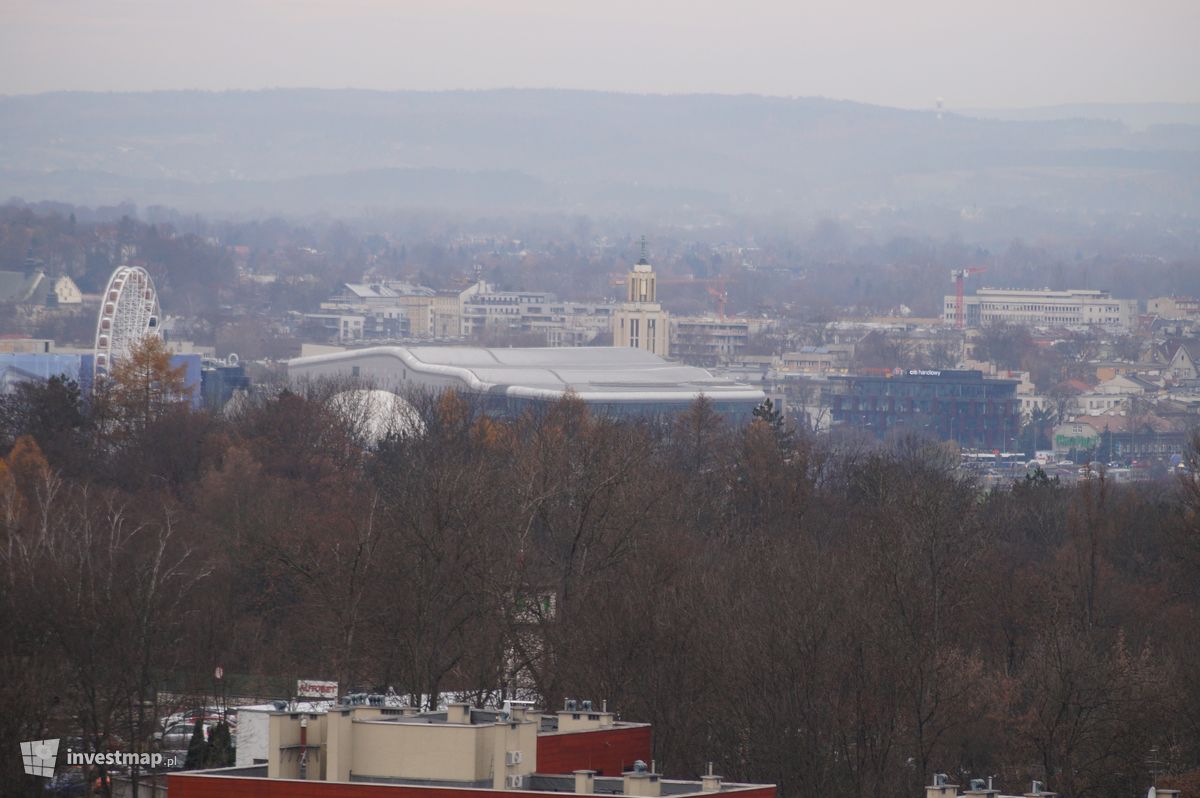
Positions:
(128, 313)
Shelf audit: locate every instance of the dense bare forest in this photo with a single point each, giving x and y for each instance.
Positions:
(830, 616)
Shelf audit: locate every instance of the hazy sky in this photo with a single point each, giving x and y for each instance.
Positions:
(894, 52)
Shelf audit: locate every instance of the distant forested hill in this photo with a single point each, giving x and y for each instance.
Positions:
(304, 150)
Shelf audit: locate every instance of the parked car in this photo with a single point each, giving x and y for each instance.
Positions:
(67, 782)
(74, 781)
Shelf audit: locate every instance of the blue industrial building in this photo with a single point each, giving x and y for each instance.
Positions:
(23, 367)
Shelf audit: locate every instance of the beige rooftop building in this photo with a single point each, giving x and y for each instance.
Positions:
(458, 747)
(362, 747)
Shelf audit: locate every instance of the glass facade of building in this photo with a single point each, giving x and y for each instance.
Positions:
(961, 406)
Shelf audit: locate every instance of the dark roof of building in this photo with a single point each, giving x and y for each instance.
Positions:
(1189, 345)
(19, 286)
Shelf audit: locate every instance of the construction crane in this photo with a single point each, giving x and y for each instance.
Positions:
(715, 286)
(721, 295)
(958, 276)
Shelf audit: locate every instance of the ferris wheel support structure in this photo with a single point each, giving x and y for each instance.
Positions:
(129, 311)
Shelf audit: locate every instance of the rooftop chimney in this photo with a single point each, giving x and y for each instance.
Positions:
(941, 787)
(458, 712)
(982, 788)
(710, 782)
(1038, 791)
(642, 782)
(585, 782)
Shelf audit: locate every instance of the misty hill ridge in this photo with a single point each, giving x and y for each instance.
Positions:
(549, 147)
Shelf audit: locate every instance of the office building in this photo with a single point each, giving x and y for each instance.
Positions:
(1174, 307)
(372, 324)
(711, 340)
(1045, 308)
(961, 406)
(220, 379)
(832, 359)
(485, 309)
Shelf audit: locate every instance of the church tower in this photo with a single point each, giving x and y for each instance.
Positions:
(641, 322)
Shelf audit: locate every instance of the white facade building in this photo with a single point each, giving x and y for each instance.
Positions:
(483, 309)
(1045, 308)
(65, 292)
(1174, 307)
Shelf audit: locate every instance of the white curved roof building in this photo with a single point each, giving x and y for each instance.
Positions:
(616, 379)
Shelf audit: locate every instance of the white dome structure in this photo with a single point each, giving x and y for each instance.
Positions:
(376, 414)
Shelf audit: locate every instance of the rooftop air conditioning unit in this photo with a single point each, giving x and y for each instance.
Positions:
(512, 758)
(587, 705)
(515, 782)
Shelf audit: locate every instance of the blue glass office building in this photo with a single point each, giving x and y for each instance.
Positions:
(961, 406)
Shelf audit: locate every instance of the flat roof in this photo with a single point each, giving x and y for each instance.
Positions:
(598, 374)
(929, 375)
(538, 783)
(1069, 293)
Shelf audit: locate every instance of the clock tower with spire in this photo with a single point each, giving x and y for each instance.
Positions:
(641, 322)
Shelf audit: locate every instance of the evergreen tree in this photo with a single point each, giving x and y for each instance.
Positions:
(772, 416)
(196, 753)
(768, 413)
(219, 752)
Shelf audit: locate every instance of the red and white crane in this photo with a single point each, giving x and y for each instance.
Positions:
(958, 276)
